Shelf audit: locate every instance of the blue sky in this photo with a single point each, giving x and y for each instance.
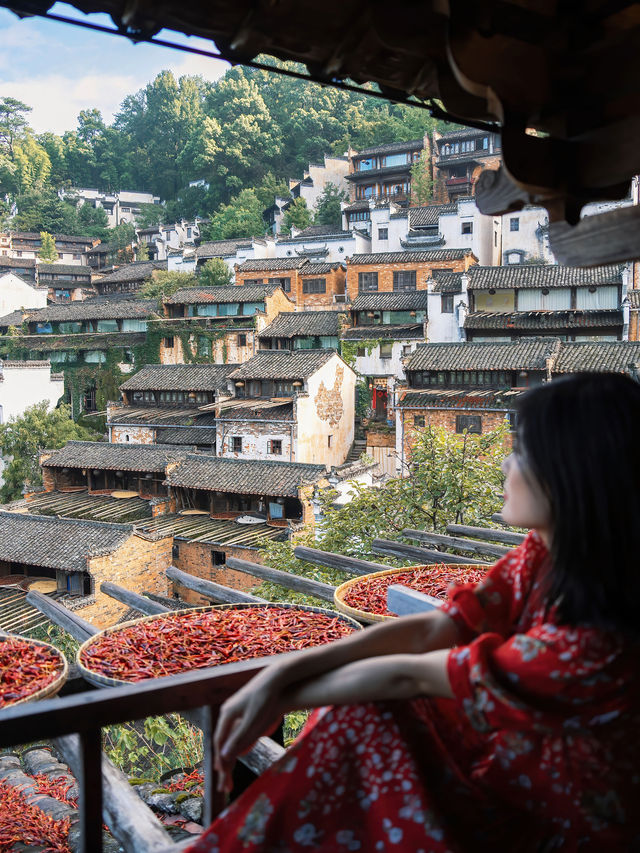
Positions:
(59, 69)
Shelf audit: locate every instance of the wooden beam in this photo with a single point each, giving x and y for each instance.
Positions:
(505, 536)
(79, 628)
(129, 819)
(421, 555)
(132, 599)
(455, 542)
(286, 579)
(338, 561)
(213, 591)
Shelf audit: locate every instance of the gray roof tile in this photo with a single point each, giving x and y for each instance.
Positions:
(65, 269)
(137, 271)
(526, 354)
(95, 309)
(421, 217)
(396, 333)
(315, 231)
(599, 356)
(390, 147)
(283, 364)
(319, 269)
(447, 282)
(415, 300)
(541, 275)
(516, 320)
(436, 255)
(160, 416)
(57, 543)
(219, 248)
(271, 264)
(179, 377)
(107, 457)
(458, 398)
(634, 298)
(291, 324)
(240, 476)
(221, 295)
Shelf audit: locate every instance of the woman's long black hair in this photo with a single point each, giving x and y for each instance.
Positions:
(580, 438)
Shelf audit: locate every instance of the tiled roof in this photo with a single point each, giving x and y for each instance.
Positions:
(137, 271)
(16, 262)
(219, 248)
(315, 231)
(179, 377)
(89, 507)
(271, 264)
(248, 409)
(57, 543)
(540, 275)
(634, 298)
(63, 238)
(65, 269)
(447, 282)
(411, 257)
(415, 300)
(319, 269)
(187, 436)
(421, 217)
(614, 356)
(244, 476)
(290, 324)
(81, 341)
(283, 364)
(526, 354)
(464, 133)
(13, 319)
(233, 293)
(95, 309)
(113, 457)
(357, 206)
(215, 531)
(396, 333)
(516, 320)
(390, 147)
(458, 398)
(160, 416)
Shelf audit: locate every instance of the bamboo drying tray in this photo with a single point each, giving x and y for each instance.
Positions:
(366, 616)
(53, 687)
(99, 680)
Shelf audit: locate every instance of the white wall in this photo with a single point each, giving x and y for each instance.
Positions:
(15, 293)
(530, 241)
(393, 368)
(447, 328)
(333, 172)
(331, 248)
(25, 383)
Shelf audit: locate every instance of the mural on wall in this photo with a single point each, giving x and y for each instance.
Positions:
(329, 402)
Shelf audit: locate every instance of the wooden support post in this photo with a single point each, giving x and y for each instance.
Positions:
(336, 561)
(487, 533)
(213, 591)
(422, 555)
(289, 581)
(132, 599)
(454, 542)
(79, 628)
(90, 785)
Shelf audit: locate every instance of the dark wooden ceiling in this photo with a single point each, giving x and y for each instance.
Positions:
(561, 77)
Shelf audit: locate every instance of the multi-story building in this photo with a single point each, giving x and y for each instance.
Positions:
(27, 244)
(23, 267)
(303, 330)
(17, 293)
(459, 156)
(120, 207)
(384, 171)
(306, 283)
(128, 278)
(65, 282)
(323, 244)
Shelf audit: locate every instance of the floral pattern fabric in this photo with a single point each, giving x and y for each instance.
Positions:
(538, 751)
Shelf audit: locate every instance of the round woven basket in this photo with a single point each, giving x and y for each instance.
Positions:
(365, 616)
(52, 688)
(99, 680)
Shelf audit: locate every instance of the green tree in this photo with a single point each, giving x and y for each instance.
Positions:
(150, 215)
(121, 240)
(142, 251)
(297, 216)
(327, 206)
(22, 437)
(242, 217)
(32, 163)
(422, 180)
(43, 210)
(13, 122)
(165, 283)
(48, 251)
(215, 273)
(269, 188)
(93, 222)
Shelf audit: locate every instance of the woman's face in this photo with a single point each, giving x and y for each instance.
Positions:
(525, 503)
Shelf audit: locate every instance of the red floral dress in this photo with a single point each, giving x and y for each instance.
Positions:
(538, 751)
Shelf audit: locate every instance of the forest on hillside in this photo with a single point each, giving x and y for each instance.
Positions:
(245, 134)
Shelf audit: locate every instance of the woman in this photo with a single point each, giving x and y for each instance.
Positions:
(507, 720)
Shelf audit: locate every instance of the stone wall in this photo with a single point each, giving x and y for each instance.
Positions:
(132, 434)
(255, 437)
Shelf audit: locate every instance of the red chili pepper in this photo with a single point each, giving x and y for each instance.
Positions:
(370, 594)
(25, 668)
(193, 640)
(21, 822)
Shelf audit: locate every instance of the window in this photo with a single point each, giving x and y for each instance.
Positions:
(367, 281)
(467, 227)
(495, 238)
(361, 351)
(314, 285)
(283, 389)
(470, 423)
(404, 280)
(236, 443)
(218, 558)
(514, 223)
(242, 340)
(285, 283)
(329, 437)
(446, 303)
(274, 446)
(383, 233)
(175, 552)
(418, 420)
(406, 349)
(189, 232)
(386, 350)
(168, 342)
(365, 165)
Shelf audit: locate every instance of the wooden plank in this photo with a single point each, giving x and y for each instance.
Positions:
(404, 601)
(455, 542)
(79, 628)
(90, 785)
(129, 819)
(337, 561)
(286, 579)
(487, 533)
(132, 599)
(213, 591)
(421, 555)
(214, 800)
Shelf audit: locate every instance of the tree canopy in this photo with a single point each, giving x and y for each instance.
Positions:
(215, 273)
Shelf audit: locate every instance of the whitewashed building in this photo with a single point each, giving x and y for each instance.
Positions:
(323, 244)
(120, 207)
(16, 293)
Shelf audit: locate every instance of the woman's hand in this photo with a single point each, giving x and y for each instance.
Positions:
(255, 710)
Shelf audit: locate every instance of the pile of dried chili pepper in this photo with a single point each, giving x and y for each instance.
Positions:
(26, 668)
(370, 594)
(193, 782)
(58, 788)
(175, 643)
(25, 824)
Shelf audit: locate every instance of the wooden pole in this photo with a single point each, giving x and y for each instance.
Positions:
(213, 591)
(79, 628)
(488, 533)
(422, 555)
(337, 561)
(132, 599)
(286, 579)
(455, 542)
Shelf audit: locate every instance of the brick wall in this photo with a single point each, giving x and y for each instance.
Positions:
(139, 565)
(634, 325)
(133, 435)
(195, 559)
(336, 282)
(255, 436)
(380, 439)
(385, 273)
(447, 419)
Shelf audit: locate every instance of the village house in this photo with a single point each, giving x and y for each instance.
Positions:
(78, 556)
(25, 383)
(323, 244)
(65, 282)
(291, 405)
(169, 404)
(233, 252)
(570, 303)
(333, 170)
(23, 267)
(303, 330)
(27, 244)
(17, 293)
(384, 171)
(128, 278)
(160, 239)
(388, 272)
(123, 206)
(459, 156)
(219, 324)
(284, 272)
